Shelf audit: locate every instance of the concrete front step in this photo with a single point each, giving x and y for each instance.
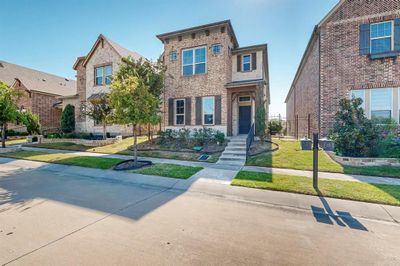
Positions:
(237, 142)
(234, 153)
(232, 158)
(235, 150)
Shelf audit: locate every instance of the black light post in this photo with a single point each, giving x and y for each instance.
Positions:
(315, 160)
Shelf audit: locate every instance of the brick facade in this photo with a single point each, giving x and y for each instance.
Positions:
(210, 84)
(342, 68)
(221, 72)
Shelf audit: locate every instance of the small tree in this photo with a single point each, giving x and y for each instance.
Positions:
(132, 103)
(99, 110)
(32, 122)
(260, 121)
(68, 119)
(8, 109)
(275, 127)
(354, 134)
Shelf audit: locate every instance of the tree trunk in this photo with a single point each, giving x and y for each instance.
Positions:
(3, 136)
(104, 130)
(148, 133)
(135, 145)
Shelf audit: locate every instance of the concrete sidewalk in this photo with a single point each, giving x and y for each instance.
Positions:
(229, 168)
(206, 183)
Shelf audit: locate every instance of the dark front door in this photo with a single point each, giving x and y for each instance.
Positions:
(244, 119)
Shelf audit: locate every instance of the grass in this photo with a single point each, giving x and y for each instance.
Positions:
(15, 141)
(375, 193)
(123, 148)
(169, 170)
(64, 158)
(291, 156)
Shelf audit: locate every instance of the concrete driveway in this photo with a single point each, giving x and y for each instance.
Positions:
(59, 218)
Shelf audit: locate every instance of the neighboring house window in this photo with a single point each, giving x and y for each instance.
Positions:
(208, 110)
(103, 75)
(180, 112)
(381, 37)
(359, 94)
(216, 49)
(246, 63)
(173, 56)
(194, 61)
(381, 104)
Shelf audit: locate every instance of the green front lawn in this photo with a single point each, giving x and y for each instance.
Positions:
(169, 170)
(385, 194)
(123, 148)
(291, 156)
(64, 158)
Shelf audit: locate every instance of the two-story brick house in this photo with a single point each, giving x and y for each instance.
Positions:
(211, 81)
(353, 52)
(93, 73)
(39, 93)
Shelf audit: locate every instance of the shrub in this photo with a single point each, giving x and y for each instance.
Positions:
(68, 136)
(260, 121)
(203, 136)
(166, 136)
(275, 127)
(353, 133)
(219, 137)
(68, 119)
(184, 135)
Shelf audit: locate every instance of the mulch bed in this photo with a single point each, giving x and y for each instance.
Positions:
(178, 147)
(130, 165)
(259, 147)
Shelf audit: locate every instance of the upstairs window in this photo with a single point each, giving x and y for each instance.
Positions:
(381, 37)
(246, 63)
(173, 56)
(180, 112)
(381, 104)
(103, 75)
(216, 49)
(194, 61)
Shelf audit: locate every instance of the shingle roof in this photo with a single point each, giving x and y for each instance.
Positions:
(36, 80)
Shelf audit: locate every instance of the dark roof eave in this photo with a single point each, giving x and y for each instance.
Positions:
(251, 47)
(197, 28)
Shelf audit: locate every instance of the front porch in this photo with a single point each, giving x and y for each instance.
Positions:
(242, 99)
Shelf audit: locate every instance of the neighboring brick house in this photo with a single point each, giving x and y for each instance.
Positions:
(353, 52)
(93, 73)
(211, 81)
(40, 92)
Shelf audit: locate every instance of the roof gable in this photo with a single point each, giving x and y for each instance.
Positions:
(121, 51)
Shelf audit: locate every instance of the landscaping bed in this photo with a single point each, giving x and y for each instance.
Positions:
(259, 147)
(375, 193)
(291, 156)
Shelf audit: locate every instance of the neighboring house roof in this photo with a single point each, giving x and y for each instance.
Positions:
(228, 23)
(123, 52)
(311, 44)
(35, 80)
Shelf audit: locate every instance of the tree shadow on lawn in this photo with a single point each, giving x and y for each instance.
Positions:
(19, 188)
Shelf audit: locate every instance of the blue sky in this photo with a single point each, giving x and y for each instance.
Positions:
(48, 35)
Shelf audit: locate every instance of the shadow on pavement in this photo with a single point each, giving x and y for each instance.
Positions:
(327, 216)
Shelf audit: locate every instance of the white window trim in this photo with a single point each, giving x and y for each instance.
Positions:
(194, 61)
(176, 56)
(215, 45)
(364, 100)
(101, 76)
(370, 102)
(251, 60)
(383, 37)
(204, 113)
(184, 112)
